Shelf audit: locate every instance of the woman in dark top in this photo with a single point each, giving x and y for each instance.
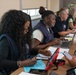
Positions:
(61, 26)
(15, 41)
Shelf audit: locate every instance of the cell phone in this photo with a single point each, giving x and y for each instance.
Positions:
(38, 71)
(67, 55)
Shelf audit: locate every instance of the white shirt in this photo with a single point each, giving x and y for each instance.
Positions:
(37, 34)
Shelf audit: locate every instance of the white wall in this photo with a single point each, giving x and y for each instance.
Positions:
(55, 4)
(6, 5)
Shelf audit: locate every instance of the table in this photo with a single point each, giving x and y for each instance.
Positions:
(61, 69)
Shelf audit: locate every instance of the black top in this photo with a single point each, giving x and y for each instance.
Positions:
(5, 60)
(59, 27)
(5, 55)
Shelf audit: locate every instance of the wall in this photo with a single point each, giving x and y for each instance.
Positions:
(55, 4)
(61, 4)
(5, 5)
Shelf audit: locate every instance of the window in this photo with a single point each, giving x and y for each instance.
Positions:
(34, 13)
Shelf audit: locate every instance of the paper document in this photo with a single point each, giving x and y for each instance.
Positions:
(39, 65)
(43, 57)
(24, 73)
(69, 38)
(60, 56)
(70, 35)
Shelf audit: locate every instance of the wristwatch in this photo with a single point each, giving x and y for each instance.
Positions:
(19, 63)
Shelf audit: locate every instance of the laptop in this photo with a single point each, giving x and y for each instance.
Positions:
(65, 44)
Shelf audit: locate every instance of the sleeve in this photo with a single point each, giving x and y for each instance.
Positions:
(37, 34)
(70, 20)
(4, 54)
(34, 51)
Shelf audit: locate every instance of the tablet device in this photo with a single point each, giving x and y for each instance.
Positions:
(53, 58)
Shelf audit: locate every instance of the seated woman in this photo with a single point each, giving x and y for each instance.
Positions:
(72, 12)
(15, 42)
(61, 26)
(42, 32)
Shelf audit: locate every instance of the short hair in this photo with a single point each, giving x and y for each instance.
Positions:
(62, 11)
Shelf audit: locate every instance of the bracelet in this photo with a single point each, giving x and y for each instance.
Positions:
(19, 63)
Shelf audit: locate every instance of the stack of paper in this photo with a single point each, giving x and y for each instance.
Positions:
(52, 49)
(43, 57)
(70, 35)
(60, 56)
(69, 38)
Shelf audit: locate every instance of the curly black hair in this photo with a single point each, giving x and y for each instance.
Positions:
(12, 23)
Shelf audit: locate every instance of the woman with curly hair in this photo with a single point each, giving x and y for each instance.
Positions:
(15, 41)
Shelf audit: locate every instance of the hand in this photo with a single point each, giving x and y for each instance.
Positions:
(28, 62)
(74, 31)
(72, 62)
(45, 52)
(69, 31)
(56, 41)
(62, 38)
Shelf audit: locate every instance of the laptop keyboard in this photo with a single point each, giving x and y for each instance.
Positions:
(65, 44)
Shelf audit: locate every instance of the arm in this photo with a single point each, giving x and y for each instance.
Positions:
(71, 23)
(64, 33)
(36, 43)
(72, 26)
(38, 38)
(4, 54)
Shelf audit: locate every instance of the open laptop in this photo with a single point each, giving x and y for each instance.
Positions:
(65, 44)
